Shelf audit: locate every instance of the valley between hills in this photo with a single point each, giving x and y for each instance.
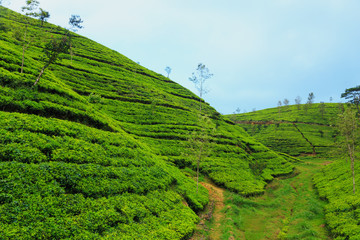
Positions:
(101, 147)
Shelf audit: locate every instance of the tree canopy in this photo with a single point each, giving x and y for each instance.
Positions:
(352, 95)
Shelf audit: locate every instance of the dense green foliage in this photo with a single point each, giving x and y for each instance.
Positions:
(290, 209)
(295, 130)
(342, 213)
(334, 182)
(96, 150)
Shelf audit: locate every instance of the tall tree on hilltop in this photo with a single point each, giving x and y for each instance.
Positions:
(200, 138)
(198, 78)
(298, 102)
(353, 95)
(43, 16)
(279, 107)
(286, 102)
(30, 7)
(322, 109)
(30, 11)
(348, 127)
(75, 22)
(311, 98)
(168, 71)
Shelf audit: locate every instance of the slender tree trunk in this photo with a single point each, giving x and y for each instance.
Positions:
(22, 61)
(353, 172)
(198, 170)
(351, 155)
(41, 73)
(71, 53)
(23, 55)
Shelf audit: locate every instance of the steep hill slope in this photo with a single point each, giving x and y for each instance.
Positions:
(295, 130)
(96, 149)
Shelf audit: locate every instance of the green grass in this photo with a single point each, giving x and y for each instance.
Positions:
(289, 209)
(109, 137)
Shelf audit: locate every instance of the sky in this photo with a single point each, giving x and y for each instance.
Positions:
(259, 51)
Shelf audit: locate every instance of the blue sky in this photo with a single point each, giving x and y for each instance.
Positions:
(259, 51)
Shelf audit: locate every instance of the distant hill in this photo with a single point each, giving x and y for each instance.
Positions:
(99, 148)
(296, 130)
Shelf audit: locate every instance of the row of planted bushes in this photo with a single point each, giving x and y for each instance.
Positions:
(334, 184)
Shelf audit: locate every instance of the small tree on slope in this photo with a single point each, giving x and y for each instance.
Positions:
(198, 142)
(30, 11)
(52, 50)
(198, 139)
(348, 127)
(199, 78)
(75, 23)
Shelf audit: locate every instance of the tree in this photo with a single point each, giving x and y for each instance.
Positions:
(198, 142)
(306, 107)
(322, 109)
(26, 39)
(53, 48)
(311, 98)
(201, 138)
(353, 95)
(233, 116)
(75, 22)
(198, 78)
(298, 102)
(279, 106)
(43, 16)
(286, 102)
(168, 71)
(348, 127)
(29, 9)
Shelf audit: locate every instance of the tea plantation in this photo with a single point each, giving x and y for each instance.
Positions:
(296, 130)
(281, 130)
(99, 148)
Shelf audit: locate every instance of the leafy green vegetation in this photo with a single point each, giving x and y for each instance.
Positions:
(293, 129)
(98, 148)
(334, 182)
(290, 209)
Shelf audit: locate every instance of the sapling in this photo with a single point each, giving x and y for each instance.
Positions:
(52, 50)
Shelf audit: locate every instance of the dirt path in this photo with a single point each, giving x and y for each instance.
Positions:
(214, 212)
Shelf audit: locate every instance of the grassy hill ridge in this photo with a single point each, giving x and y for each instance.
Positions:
(99, 148)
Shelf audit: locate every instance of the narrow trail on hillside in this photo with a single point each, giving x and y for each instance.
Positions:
(213, 212)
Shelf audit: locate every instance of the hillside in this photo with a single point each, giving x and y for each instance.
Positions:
(99, 148)
(295, 130)
(281, 130)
